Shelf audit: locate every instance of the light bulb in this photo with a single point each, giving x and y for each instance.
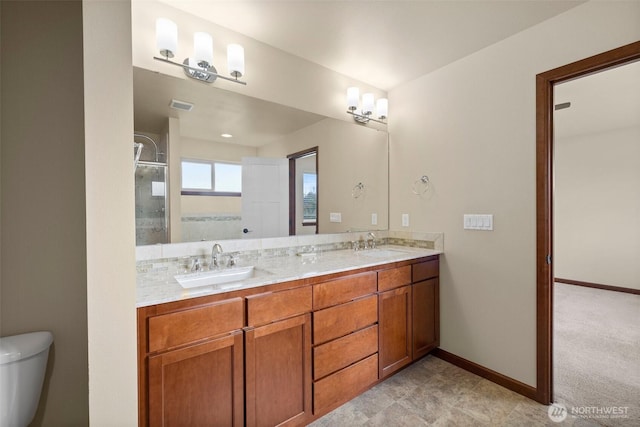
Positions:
(235, 60)
(353, 95)
(367, 103)
(382, 108)
(166, 37)
(203, 49)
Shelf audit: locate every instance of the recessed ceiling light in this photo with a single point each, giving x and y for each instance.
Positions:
(226, 135)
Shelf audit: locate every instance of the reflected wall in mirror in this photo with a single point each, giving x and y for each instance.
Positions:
(348, 154)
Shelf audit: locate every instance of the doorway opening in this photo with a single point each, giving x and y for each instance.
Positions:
(303, 192)
(545, 83)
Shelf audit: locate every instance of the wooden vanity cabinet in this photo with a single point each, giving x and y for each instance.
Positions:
(194, 365)
(286, 356)
(394, 310)
(278, 358)
(425, 307)
(409, 313)
(345, 338)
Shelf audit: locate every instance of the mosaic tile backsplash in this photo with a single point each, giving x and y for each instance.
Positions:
(179, 255)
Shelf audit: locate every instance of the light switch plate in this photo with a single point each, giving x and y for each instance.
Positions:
(478, 222)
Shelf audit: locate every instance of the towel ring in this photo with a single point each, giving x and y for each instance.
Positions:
(357, 190)
(421, 185)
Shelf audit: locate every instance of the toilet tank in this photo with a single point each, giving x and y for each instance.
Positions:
(23, 362)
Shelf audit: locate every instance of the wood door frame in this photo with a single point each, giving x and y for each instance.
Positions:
(544, 198)
(292, 187)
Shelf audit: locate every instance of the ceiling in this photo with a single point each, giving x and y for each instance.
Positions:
(382, 43)
(599, 102)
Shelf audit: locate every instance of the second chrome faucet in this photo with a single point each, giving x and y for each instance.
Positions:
(216, 258)
(216, 251)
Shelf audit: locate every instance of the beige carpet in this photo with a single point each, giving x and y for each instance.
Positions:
(596, 357)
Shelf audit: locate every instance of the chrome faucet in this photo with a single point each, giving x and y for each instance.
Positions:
(216, 251)
(371, 240)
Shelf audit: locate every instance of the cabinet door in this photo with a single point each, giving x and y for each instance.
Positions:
(278, 372)
(394, 309)
(198, 385)
(426, 317)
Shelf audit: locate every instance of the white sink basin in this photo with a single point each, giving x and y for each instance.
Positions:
(214, 277)
(381, 253)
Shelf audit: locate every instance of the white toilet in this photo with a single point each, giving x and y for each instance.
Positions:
(23, 362)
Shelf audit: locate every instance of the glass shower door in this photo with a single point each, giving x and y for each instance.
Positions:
(151, 204)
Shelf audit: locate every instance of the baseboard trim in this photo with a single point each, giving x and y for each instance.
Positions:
(493, 376)
(598, 286)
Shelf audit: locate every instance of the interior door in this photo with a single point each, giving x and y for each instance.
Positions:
(265, 197)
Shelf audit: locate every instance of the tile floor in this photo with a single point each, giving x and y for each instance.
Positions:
(435, 392)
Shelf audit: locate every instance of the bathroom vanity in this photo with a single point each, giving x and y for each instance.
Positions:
(290, 346)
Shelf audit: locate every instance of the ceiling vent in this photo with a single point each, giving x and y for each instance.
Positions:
(181, 105)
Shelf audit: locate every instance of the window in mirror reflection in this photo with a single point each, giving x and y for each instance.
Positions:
(210, 178)
(310, 198)
(227, 177)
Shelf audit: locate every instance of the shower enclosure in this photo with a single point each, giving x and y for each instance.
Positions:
(152, 214)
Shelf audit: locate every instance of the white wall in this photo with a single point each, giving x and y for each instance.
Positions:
(597, 208)
(111, 274)
(347, 154)
(470, 126)
(174, 179)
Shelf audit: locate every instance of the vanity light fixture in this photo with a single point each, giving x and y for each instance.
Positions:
(366, 113)
(200, 66)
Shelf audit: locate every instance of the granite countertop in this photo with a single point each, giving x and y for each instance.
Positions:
(159, 287)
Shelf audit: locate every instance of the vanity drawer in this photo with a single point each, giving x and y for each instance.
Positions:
(182, 327)
(271, 306)
(394, 278)
(343, 290)
(340, 320)
(342, 352)
(345, 384)
(425, 270)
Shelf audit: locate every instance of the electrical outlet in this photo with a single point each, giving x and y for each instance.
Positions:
(405, 220)
(374, 219)
(335, 217)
